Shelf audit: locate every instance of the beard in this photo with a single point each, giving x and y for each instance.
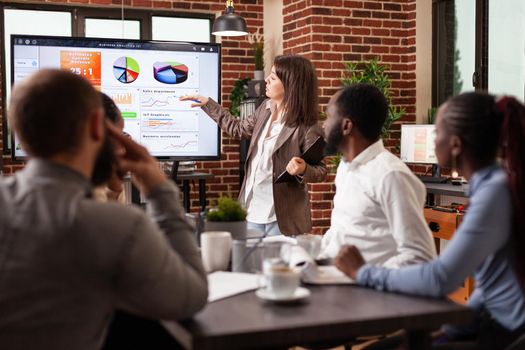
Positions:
(104, 164)
(333, 141)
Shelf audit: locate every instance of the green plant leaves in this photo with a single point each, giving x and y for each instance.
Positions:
(374, 73)
(228, 209)
(238, 94)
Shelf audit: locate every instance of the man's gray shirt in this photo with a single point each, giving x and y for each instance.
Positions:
(67, 261)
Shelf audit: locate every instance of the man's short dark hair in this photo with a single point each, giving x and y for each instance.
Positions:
(366, 106)
(49, 111)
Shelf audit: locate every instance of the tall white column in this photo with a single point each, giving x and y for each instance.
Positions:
(273, 32)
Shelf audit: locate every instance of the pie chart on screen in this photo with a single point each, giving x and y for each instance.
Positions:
(170, 72)
(126, 69)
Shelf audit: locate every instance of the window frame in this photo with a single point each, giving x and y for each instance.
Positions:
(78, 16)
(480, 75)
(112, 13)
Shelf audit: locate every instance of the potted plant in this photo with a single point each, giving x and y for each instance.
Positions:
(256, 40)
(229, 216)
(238, 94)
(431, 115)
(372, 72)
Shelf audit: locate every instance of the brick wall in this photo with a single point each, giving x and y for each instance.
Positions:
(237, 62)
(331, 32)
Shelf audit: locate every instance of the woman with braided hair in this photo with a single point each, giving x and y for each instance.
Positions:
(484, 139)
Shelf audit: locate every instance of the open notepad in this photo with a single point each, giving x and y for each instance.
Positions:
(226, 284)
(312, 273)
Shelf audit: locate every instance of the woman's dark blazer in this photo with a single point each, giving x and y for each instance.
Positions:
(291, 201)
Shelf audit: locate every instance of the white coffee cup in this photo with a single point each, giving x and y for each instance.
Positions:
(281, 280)
(216, 250)
(310, 243)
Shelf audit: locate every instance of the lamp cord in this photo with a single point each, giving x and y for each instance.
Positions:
(122, 16)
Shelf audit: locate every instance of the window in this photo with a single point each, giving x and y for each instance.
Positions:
(30, 22)
(478, 44)
(180, 29)
(465, 46)
(454, 48)
(506, 48)
(93, 22)
(112, 28)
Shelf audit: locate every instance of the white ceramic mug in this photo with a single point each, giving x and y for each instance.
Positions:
(216, 250)
(281, 280)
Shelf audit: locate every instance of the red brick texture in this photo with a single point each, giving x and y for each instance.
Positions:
(237, 62)
(329, 32)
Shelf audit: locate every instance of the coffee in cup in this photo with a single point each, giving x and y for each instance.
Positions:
(281, 280)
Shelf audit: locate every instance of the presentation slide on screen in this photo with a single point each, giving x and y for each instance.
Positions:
(417, 144)
(146, 86)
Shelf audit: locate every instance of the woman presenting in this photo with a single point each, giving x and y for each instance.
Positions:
(281, 129)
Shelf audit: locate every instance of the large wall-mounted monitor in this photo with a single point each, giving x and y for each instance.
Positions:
(417, 143)
(145, 79)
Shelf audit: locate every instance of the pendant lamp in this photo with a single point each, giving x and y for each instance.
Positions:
(229, 24)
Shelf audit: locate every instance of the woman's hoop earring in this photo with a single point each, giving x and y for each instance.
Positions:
(454, 173)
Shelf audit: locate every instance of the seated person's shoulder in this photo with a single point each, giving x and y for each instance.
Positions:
(102, 235)
(494, 187)
(390, 166)
(111, 218)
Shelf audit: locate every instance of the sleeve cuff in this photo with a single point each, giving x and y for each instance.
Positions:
(300, 178)
(211, 106)
(362, 275)
(165, 187)
(162, 197)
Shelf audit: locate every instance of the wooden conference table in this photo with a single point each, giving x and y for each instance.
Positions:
(331, 314)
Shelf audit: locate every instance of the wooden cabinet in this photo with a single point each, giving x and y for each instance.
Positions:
(443, 225)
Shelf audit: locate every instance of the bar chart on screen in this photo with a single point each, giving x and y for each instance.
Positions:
(125, 98)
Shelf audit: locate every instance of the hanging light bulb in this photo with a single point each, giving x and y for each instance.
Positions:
(229, 24)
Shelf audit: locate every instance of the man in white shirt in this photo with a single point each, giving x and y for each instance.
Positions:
(378, 205)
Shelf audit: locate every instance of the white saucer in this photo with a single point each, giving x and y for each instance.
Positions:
(299, 294)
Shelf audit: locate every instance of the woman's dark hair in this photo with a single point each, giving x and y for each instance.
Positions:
(513, 155)
(300, 89)
(105, 161)
(485, 128)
